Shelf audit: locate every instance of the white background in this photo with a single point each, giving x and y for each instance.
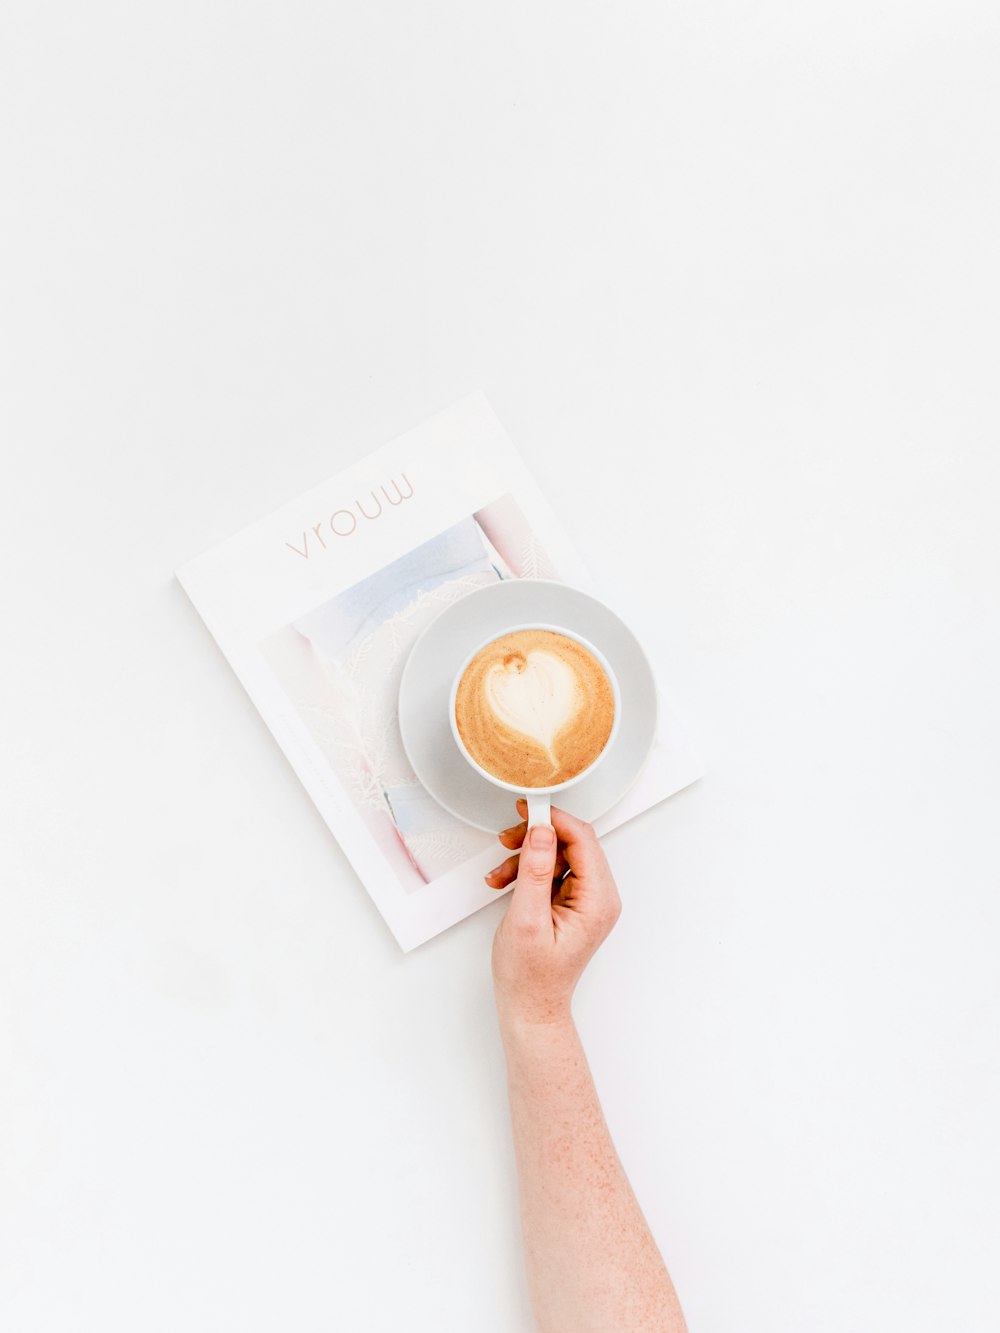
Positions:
(729, 275)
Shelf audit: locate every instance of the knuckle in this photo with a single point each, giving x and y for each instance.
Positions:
(611, 911)
(535, 873)
(593, 850)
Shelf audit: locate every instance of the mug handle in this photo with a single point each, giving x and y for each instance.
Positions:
(539, 808)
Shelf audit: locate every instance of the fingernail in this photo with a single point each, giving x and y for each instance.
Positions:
(542, 836)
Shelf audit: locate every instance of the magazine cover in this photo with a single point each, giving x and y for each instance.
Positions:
(317, 606)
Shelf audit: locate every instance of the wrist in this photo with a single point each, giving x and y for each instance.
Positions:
(524, 1022)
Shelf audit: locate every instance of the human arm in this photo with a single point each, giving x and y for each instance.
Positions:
(592, 1263)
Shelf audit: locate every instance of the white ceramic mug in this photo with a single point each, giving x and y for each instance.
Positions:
(539, 799)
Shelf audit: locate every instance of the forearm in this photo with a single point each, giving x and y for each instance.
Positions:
(592, 1264)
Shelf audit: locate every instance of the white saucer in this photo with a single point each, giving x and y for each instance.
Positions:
(440, 651)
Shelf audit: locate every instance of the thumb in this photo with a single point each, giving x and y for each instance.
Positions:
(532, 897)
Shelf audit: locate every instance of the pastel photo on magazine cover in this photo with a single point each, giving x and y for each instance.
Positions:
(340, 666)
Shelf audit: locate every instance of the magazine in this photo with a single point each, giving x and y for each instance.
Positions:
(317, 606)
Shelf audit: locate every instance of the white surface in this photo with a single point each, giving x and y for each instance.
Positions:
(729, 276)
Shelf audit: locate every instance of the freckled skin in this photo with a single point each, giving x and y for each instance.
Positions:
(592, 1263)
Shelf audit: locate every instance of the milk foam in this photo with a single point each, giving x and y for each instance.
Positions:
(536, 695)
(534, 708)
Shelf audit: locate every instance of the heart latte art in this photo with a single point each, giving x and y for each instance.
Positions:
(534, 708)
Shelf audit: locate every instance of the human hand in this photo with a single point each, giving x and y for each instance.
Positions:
(564, 905)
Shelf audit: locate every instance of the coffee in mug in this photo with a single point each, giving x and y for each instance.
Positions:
(534, 708)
